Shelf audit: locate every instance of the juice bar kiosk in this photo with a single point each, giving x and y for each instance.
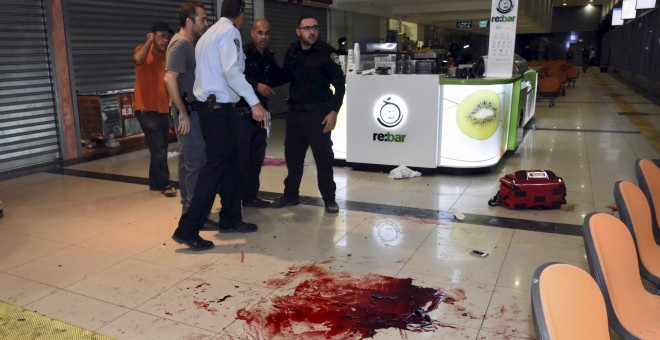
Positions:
(431, 120)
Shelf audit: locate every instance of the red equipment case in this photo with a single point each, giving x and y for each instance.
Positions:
(530, 189)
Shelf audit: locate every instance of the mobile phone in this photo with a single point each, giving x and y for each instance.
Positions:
(478, 253)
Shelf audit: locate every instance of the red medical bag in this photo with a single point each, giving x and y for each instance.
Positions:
(530, 189)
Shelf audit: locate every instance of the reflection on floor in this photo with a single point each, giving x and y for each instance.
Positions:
(90, 244)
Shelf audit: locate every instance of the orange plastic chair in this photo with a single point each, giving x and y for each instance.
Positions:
(567, 304)
(632, 311)
(635, 213)
(648, 177)
(549, 88)
(573, 75)
(563, 80)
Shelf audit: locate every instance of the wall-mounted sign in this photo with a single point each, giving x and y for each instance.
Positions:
(484, 23)
(501, 43)
(463, 24)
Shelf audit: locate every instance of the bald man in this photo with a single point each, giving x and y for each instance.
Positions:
(262, 72)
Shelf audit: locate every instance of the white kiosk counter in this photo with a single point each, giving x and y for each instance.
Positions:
(427, 121)
(393, 119)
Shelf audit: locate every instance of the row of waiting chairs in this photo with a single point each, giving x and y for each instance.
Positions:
(554, 77)
(568, 303)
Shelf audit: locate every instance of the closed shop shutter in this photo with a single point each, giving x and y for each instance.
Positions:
(247, 21)
(102, 35)
(283, 18)
(28, 121)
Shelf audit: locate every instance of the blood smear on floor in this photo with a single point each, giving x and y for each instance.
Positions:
(337, 305)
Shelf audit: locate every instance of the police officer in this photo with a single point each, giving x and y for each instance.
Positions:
(312, 67)
(262, 72)
(219, 84)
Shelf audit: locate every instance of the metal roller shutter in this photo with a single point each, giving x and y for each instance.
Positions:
(28, 121)
(283, 18)
(247, 22)
(102, 35)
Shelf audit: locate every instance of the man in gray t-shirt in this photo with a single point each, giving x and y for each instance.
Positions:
(179, 80)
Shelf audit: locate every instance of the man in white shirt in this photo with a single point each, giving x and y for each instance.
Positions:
(219, 84)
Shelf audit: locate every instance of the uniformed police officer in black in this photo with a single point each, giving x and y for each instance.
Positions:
(263, 73)
(312, 67)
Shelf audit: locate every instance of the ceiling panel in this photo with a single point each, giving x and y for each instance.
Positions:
(445, 13)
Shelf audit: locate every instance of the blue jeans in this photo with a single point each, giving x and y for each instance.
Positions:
(192, 157)
(155, 127)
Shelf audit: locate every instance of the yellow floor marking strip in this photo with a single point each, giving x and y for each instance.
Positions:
(646, 128)
(19, 323)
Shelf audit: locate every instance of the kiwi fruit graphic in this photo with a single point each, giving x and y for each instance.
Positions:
(478, 115)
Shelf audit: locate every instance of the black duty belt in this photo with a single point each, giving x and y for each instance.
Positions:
(217, 106)
(308, 107)
(244, 112)
(214, 106)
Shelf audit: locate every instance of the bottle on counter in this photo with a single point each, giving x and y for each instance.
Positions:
(350, 62)
(451, 68)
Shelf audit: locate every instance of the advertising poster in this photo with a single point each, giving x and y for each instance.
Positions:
(475, 124)
(502, 39)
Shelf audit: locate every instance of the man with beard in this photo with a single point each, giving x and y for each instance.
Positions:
(179, 80)
(152, 104)
(262, 72)
(312, 67)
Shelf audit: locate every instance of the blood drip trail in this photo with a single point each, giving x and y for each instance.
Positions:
(336, 305)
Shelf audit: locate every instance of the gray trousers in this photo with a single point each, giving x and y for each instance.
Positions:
(192, 157)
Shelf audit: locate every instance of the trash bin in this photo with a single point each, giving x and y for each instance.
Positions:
(603, 68)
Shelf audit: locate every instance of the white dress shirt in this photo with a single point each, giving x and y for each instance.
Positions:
(220, 65)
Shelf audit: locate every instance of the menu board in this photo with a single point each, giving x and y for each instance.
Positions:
(645, 4)
(628, 10)
(616, 17)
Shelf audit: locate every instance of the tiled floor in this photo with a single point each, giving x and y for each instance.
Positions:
(92, 246)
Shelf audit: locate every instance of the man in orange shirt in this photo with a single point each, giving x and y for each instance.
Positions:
(152, 104)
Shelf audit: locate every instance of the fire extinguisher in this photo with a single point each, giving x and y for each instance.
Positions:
(126, 105)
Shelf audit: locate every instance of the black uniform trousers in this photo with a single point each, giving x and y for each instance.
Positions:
(251, 153)
(219, 175)
(304, 129)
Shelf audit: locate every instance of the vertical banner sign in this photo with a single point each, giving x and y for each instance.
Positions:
(502, 41)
